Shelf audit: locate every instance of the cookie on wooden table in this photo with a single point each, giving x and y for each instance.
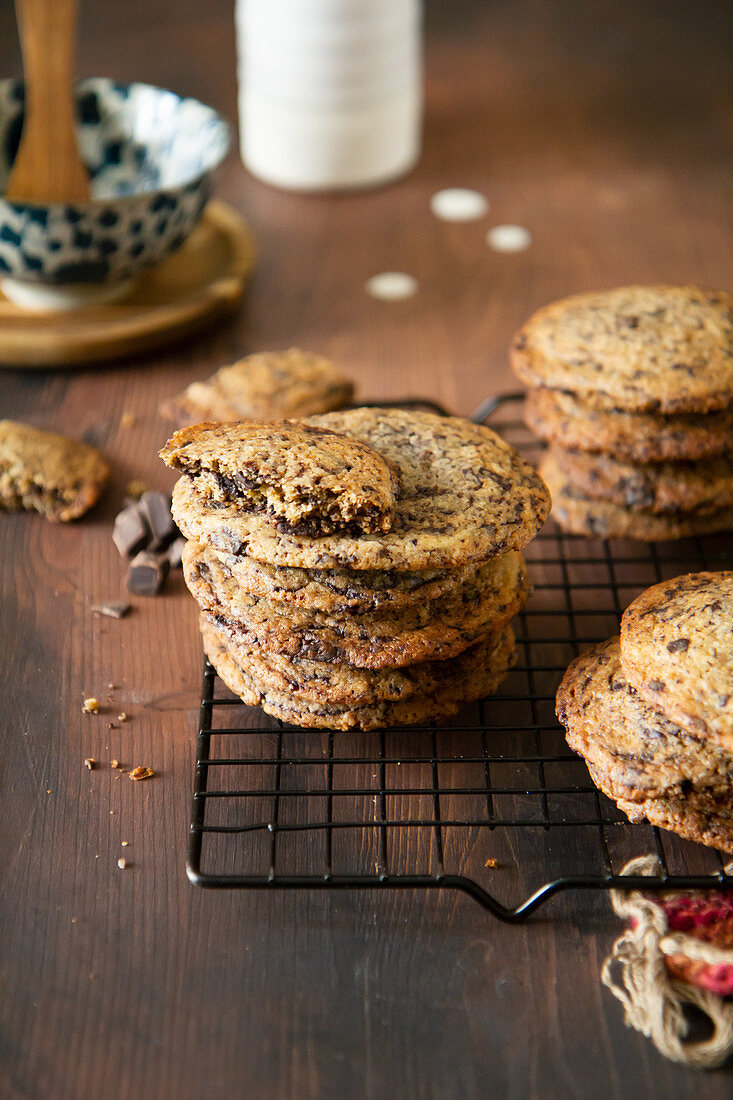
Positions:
(423, 632)
(677, 651)
(290, 476)
(571, 422)
(265, 386)
(582, 515)
(664, 487)
(635, 752)
(450, 696)
(661, 349)
(465, 495)
(48, 473)
(322, 682)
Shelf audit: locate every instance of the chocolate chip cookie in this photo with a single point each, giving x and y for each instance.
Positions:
(663, 487)
(297, 478)
(709, 823)
(423, 632)
(465, 495)
(48, 473)
(677, 651)
(584, 515)
(266, 386)
(571, 422)
(323, 683)
(635, 751)
(450, 696)
(641, 349)
(343, 590)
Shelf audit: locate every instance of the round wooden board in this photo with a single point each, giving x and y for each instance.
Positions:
(204, 278)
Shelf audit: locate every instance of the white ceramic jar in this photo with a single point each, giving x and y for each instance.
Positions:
(330, 91)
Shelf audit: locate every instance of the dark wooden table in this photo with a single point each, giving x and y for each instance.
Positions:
(602, 128)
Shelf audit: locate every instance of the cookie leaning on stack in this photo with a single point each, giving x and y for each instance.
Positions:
(356, 569)
(652, 712)
(633, 390)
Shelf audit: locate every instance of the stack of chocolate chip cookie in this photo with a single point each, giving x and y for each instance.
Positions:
(652, 712)
(633, 390)
(356, 568)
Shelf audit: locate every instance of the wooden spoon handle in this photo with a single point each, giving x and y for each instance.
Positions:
(48, 167)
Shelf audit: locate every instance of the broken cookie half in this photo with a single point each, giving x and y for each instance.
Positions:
(48, 473)
(308, 480)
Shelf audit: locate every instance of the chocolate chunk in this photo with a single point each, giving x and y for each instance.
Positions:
(174, 552)
(679, 645)
(156, 509)
(112, 610)
(147, 573)
(130, 532)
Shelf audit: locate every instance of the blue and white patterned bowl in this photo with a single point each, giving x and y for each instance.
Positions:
(150, 155)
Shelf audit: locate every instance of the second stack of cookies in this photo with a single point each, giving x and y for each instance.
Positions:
(633, 390)
(360, 570)
(651, 711)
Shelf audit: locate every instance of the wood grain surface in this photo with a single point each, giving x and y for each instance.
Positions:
(603, 128)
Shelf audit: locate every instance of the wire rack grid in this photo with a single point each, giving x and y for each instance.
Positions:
(493, 804)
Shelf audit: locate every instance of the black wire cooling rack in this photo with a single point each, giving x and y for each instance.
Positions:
(493, 804)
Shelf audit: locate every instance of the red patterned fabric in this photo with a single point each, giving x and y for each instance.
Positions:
(710, 919)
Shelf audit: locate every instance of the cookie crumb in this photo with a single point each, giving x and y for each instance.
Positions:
(114, 763)
(111, 687)
(90, 762)
(135, 489)
(122, 717)
(141, 773)
(491, 863)
(112, 726)
(90, 706)
(121, 863)
(125, 843)
(113, 610)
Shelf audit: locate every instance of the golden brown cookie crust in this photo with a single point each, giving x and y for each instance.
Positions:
(450, 697)
(635, 751)
(640, 348)
(265, 386)
(323, 683)
(48, 473)
(465, 495)
(664, 487)
(292, 476)
(424, 632)
(570, 422)
(582, 515)
(685, 818)
(677, 651)
(343, 590)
